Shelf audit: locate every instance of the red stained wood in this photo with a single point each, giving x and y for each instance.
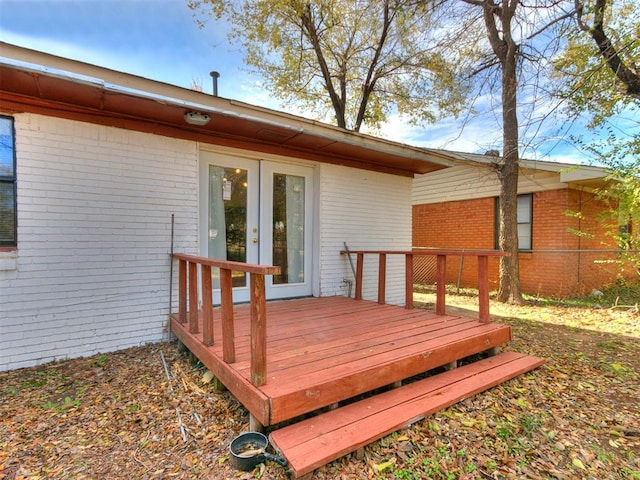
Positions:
(382, 278)
(207, 306)
(316, 441)
(408, 281)
(433, 251)
(193, 297)
(258, 330)
(251, 397)
(483, 289)
(342, 381)
(441, 254)
(226, 302)
(323, 350)
(182, 291)
(228, 265)
(359, 272)
(441, 287)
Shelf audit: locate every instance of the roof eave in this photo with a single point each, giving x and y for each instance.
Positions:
(298, 131)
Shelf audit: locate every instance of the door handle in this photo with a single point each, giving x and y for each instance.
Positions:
(254, 240)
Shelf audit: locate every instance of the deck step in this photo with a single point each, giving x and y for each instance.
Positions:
(316, 441)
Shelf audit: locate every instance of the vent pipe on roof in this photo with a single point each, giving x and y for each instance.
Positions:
(214, 76)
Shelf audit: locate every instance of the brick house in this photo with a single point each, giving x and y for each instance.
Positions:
(458, 208)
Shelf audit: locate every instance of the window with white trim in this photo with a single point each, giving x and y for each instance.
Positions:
(525, 222)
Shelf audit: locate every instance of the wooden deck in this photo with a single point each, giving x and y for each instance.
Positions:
(340, 372)
(325, 350)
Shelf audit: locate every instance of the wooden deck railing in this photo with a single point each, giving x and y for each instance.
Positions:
(194, 272)
(441, 264)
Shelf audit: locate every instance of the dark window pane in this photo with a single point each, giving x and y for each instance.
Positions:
(7, 214)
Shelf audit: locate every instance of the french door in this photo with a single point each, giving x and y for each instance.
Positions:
(257, 211)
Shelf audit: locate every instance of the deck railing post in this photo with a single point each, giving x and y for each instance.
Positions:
(258, 330)
(408, 281)
(382, 276)
(483, 289)
(207, 306)
(441, 289)
(226, 303)
(441, 274)
(193, 297)
(182, 291)
(194, 289)
(359, 272)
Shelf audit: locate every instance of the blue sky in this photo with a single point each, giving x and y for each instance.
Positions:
(159, 39)
(156, 39)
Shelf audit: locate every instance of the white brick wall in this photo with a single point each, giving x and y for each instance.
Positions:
(369, 211)
(94, 219)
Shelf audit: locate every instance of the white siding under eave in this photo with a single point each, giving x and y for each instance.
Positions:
(472, 182)
(91, 273)
(368, 211)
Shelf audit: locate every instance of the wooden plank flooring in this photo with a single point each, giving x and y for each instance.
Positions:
(316, 441)
(323, 350)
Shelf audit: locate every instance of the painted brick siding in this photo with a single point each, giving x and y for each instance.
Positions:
(94, 218)
(368, 211)
(470, 224)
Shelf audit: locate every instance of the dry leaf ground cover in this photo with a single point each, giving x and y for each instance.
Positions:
(124, 416)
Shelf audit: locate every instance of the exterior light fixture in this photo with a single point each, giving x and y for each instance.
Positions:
(196, 118)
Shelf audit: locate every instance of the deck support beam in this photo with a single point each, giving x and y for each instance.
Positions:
(207, 306)
(441, 287)
(226, 302)
(382, 278)
(255, 425)
(258, 330)
(193, 297)
(483, 289)
(182, 291)
(408, 281)
(359, 274)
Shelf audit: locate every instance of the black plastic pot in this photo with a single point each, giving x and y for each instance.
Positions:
(249, 449)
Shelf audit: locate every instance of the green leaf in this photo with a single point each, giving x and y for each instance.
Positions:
(381, 467)
(578, 464)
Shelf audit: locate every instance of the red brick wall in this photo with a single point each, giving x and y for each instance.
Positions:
(471, 224)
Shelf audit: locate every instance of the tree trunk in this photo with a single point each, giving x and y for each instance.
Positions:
(509, 288)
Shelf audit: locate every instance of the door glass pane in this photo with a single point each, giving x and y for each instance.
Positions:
(227, 227)
(288, 228)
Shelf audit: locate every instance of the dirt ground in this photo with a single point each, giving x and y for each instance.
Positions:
(124, 416)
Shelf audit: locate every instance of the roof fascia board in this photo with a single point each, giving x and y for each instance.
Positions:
(127, 84)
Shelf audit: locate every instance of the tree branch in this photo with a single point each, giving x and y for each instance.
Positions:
(370, 81)
(312, 33)
(625, 73)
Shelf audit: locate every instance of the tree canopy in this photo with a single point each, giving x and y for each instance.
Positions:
(356, 61)
(599, 69)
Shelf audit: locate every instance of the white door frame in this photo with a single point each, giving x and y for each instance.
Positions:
(267, 170)
(259, 218)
